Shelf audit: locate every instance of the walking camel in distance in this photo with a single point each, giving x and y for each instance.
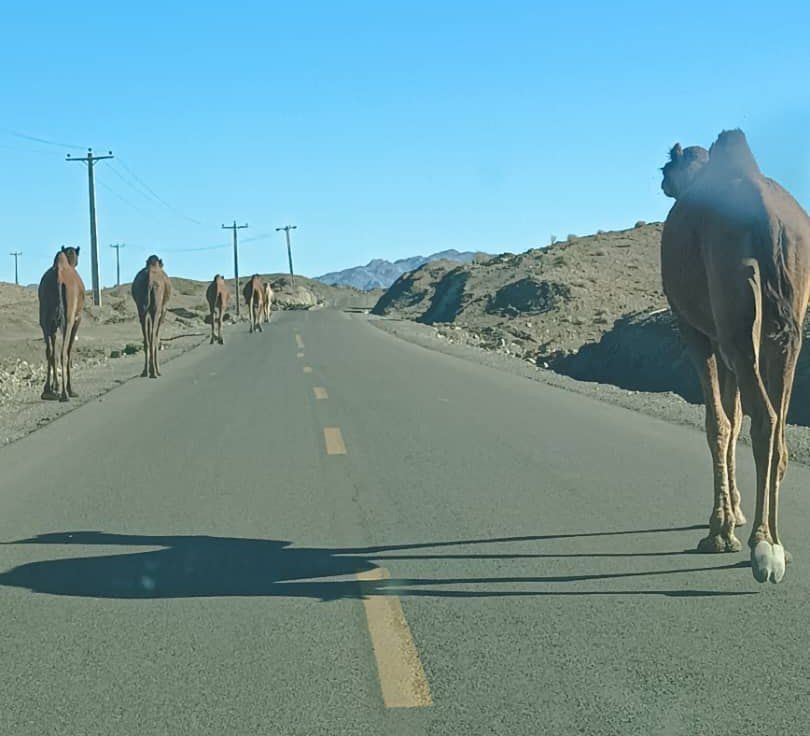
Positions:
(151, 290)
(253, 292)
(735, 261)
(268, 301)
(217, 295)
(61, 300)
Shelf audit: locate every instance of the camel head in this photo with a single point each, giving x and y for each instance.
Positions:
(153, 260)
(71, 254)
(683, 166)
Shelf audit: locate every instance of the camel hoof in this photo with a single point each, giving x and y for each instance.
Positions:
(50, 396)
(717, 544)
(64, 398)
(73, 394)
(768, 562)
(144, 374)
(739, 518)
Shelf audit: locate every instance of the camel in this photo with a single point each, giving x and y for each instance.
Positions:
(268, 301)
(61, 300)
(735, 262)
(151, 290)
(254, 298)
(217, 295)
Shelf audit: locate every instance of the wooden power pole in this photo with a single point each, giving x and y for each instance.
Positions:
(118, 247)
(286, 230)
(16, 254)
(235, 227)
(91, 160)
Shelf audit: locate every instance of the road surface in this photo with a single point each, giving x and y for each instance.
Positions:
(322, 529)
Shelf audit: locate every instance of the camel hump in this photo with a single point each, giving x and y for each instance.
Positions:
(731, 155)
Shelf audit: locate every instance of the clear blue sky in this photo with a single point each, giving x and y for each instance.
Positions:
(382, 129)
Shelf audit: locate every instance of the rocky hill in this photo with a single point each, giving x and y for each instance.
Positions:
(591, 308)
(380, 274)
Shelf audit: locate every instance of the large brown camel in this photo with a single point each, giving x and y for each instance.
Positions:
(217, 295)
(61, 300)
(151, 290)
(735, 261)
(254, 298)
(268, 301)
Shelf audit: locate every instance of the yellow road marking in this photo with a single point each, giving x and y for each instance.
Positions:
(307, 369)
(402, 677)
(334, 441)
(320, 392)
(298, 341)
(299, 355)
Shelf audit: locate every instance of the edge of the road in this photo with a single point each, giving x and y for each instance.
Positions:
(666, 406)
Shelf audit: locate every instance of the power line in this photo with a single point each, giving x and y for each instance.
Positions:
(37, 139)
(157, 197)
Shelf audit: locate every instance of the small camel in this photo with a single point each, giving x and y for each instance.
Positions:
(268, 301)
(151, 290)
(254, 298)
(61, 300)
(735, 262)
(217, 295)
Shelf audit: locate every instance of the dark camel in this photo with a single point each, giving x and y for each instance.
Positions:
(151, 290)
(217, 295)
(61, 300)
(735, 260)
(254, 298)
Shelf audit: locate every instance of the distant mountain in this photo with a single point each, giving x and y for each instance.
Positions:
(380, 274)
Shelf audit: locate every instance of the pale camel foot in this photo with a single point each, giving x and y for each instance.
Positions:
(719, 543)
(768, 562)
(739, 517)
(50, 396)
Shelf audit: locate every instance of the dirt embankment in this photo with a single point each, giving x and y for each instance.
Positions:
(591, 308)
(109, 347)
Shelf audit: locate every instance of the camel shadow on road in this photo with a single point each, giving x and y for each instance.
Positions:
(204, 566)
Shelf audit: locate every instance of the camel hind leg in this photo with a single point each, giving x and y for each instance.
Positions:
(730, 397)
(50, 390)
(71, 341)
(64, 359)
(722, 520)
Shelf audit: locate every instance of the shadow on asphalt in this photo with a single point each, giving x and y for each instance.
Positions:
(204, 566)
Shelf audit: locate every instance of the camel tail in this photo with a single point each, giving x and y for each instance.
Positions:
(61, 308)
(778, 291)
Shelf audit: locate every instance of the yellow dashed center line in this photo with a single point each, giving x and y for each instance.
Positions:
(299, 355)
(307, 369)
(334, 441)
(298, 341)
(402, 677)
(320, 392)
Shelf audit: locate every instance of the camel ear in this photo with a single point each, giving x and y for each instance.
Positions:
(676, 152)
(78, 248)
(160, 261)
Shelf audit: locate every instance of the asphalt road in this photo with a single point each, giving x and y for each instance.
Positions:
(186, 556)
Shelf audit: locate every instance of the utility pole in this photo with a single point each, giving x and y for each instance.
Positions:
(235, 227)
(91, 160)
(286, 230)
(16, 254)
(118, 247)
